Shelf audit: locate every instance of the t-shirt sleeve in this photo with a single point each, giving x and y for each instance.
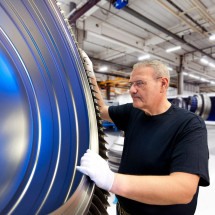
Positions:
(120, 115)
(191, 152)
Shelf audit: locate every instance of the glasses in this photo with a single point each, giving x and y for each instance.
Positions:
(138, 83)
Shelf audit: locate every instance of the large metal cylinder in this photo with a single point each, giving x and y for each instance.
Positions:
(47, 115)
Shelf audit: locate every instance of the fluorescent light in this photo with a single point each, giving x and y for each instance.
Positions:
(198, 78)
(204, 80)
(169, 68)
(173, 49)
(203, 60)
(58, 3)
(103, 69)
(194, 76)
(144, 57)
(206, 62)
(212, 37)
(212, 65)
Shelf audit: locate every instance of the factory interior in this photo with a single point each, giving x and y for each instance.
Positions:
(50, 113)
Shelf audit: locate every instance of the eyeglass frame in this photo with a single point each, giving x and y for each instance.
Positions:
(139, 83)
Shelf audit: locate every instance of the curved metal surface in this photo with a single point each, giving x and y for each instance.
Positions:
(192, 103)
(15, 128)
(206, 106)
(211, 116)
(201, 105)
(179, 102)
(47, 114)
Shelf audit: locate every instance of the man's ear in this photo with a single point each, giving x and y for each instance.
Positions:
(164, 84)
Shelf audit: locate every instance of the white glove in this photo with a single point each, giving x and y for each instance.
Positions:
(97, 169)
(88, 65)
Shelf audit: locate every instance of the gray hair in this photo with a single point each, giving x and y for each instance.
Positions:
(160, 69)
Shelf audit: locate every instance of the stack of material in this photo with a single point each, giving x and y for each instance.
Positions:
(114, 154)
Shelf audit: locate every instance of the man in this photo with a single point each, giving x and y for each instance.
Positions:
(165, 155)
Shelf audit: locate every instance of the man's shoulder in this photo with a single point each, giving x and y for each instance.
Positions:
(186, 114)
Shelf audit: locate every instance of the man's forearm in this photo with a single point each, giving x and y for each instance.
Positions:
(177, 188)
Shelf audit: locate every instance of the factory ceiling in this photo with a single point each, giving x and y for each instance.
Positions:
(147, 28)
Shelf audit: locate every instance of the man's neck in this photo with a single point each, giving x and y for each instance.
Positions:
(161, 108)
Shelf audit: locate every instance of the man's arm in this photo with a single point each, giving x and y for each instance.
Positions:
(176, 188)
(89, 69)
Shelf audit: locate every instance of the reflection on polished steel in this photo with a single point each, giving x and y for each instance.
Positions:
(115, 153)
(201, 104)
(49, 117)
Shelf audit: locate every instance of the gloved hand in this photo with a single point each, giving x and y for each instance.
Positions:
(97, 169)
(88, 65)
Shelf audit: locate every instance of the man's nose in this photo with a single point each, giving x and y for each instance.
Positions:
(132, 89)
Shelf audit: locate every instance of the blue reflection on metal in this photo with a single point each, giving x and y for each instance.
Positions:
(7, 81)
(212, 112)
(41, 70)
(15, 145)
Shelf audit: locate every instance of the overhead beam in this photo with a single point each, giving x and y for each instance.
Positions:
(80, 12)
(164, 30)
(120, 38)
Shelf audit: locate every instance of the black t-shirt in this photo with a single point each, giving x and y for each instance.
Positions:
(174, 141)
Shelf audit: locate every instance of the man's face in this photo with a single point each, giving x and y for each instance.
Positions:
(145, 88)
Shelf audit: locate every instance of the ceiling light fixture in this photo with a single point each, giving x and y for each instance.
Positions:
(203, 60)
(103, 69)
(206, 62)
(144, 57)
(194, 76)
(212, 65)
(204, 80)
(199, 78)
(212, 37)
(169, 68)
(173, 49)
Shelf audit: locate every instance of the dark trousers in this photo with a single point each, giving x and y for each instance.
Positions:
(120, 210)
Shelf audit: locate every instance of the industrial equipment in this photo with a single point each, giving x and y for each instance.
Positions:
(200, 104)
(49, 117)
(119, 4)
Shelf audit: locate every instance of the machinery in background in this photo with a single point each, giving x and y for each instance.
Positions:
(115, 153)
(200, 104)
(119, 4)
